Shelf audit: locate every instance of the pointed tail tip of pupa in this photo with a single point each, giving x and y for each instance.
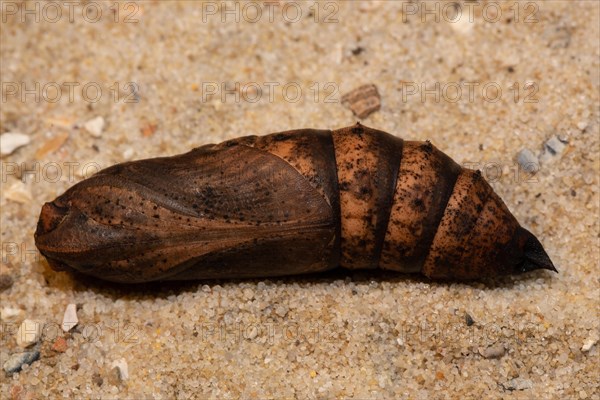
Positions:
(535, 256)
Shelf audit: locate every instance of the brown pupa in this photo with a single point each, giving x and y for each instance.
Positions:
(287, 203)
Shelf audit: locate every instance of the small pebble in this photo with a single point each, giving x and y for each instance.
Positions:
(357, 50)
(60, 345)
(15, 361)
(95, 126)
(148, 129)
(363, 101)
(469, 320)
(122, 370)
(555, 146)
(581, 125)
(10, 141)
(527, 160)
(29, 333)
(281, 310)
(70, 318)
(462, 26)
(518, 384)
(587, 346)
(18, 192)
(97, 379)
(496, 351)
(10, 312)
(206, 289)
(553, 149)
(128, 153)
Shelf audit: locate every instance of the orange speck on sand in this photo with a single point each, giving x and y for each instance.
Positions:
(149, 130)
(60, 345)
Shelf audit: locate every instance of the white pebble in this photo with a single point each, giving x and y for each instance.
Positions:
(95, 126)
(70, 318)
(18, 192)
(587, 346)
(553, 149)
(581, 125)
(281, 310)
(527, 159)
(461, 24)
(128, 153)
(518, 384)
(554, 146)
(496, 351)
(29, 333)
(121, 364)
(10, 312)
(11, 141)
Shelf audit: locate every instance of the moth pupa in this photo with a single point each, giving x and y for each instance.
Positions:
(287, 203)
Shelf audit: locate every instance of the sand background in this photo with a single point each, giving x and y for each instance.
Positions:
(342, 335)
